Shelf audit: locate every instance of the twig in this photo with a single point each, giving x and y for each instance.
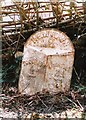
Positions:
(14, 43)
(76, 73)
(17, 43)
(42, 101)
(8, 37)
(22, 36)
(80, 105)
(72, 102)
(50, 107)
(78, 78)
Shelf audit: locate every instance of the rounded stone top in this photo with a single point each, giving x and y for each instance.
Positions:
(51, 39)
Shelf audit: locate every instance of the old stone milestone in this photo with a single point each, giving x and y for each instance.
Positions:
(47, 63)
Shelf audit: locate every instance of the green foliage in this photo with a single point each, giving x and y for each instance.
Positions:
(10, 71)
(81, 89)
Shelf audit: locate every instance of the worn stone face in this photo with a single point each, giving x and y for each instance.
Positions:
(47, 63)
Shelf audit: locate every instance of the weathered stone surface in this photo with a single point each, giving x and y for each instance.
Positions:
(47, 63)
